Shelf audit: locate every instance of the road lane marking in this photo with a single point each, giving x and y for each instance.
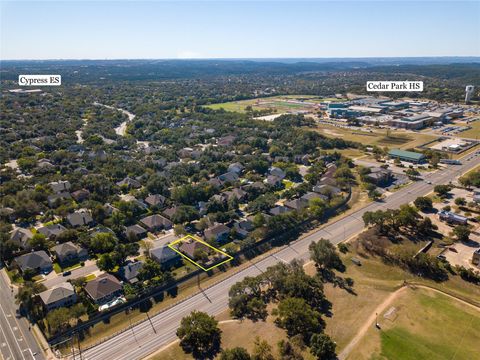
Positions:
(18, 345)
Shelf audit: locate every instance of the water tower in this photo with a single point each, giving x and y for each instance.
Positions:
(468, 93)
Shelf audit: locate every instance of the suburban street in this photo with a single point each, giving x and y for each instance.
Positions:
(16, 340)
(215, 299)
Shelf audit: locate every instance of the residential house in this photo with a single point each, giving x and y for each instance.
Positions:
(236, 168)
(80, 217)
(104, 288)
(52, 231)
(69, 253)
(155, 200)
(191, 248)
(217, 232)
(60, 186)
(156, 222)
(129, 272)
(327, 190)
(170, 212)
(55, 199)
(229, 177)
(277, 210)
(20, 237)
(379, 176)
(313, 195)
(166, 257)
(129, 183)
(81, 195)
(275, 171)
(135, 230)
(59, 296)
(36, 261)
(243, 227)
(297, 204)
(273, 180)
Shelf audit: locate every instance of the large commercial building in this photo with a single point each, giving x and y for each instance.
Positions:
(408, 156)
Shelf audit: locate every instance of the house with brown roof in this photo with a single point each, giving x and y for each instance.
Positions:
(192, 248)
(104, 288)
(155, 200)
(156, 222)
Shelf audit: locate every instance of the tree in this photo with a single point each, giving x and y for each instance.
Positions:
(26, 294)
(324, 254)
(423, 203)
(38, 241)
(297, 317)
(442, 190)
(58, 319)
(236, 353)
(102, 243)
(149, 270)
(460, 201)
(262, 350)
(322, 347)
(462, 232)
(288, 351)
(199, 334)
(106, 262)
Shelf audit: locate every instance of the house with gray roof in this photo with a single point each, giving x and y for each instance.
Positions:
(69, 253)
(166, 257)
(61, 295)
(80, 217)
(129, 183)
(129, 272)
(60, 186)
(217, 232)
(52, 231)
(135, 230)
(36, 261)
(20, 237)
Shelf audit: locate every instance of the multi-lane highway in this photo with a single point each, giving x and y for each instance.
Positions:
(16, 340)
(213, 300)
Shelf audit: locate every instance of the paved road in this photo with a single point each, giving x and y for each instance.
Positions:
(141, 340)
(79, 272)
(16, 341)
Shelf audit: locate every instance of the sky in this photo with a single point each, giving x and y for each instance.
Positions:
(237, 29)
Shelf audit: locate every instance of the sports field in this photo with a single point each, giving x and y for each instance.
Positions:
(277, 104)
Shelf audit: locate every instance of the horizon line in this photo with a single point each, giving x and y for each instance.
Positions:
(251, 58)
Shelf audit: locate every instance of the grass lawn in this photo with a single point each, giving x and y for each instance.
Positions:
(278, 103)
(397, 139)
(90, 277)
(474, 132)
(427, 325)
(58, 269)
(374, 281)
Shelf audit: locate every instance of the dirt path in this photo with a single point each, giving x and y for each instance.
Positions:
(380, 308)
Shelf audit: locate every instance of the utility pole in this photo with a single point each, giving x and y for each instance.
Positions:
(153, 327)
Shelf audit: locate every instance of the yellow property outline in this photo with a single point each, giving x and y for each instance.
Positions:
(230, 258)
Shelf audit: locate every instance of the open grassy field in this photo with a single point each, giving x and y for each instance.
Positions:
(425, 325)
(396, 139)
(474, 132)
(279, 104)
